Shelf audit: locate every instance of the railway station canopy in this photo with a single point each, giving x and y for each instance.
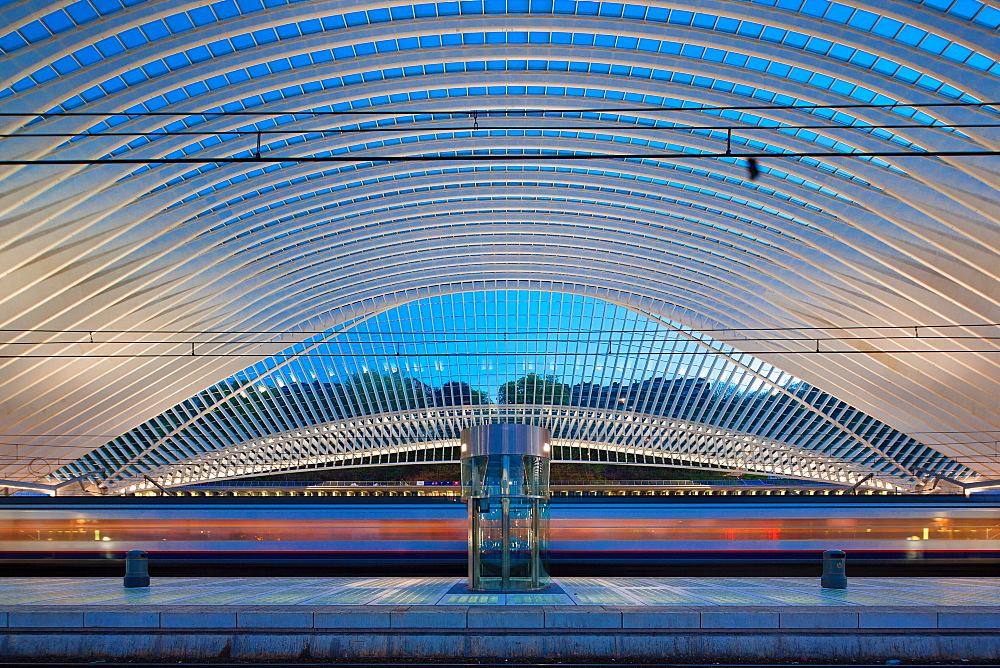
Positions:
(255, 235)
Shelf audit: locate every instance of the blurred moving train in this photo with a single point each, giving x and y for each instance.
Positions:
(886, 535)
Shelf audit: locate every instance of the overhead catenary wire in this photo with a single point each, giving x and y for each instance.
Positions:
(708, 330)
(916, 461)
(791, 433)
(473, 155)
(587, 354)
(388, 338)
(784, 435)
(503, 338)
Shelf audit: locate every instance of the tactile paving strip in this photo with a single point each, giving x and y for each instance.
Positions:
(539, 599)
(472, 599)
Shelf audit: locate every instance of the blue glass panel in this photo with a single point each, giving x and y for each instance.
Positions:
(12, 42)
(81, 12)
(178, 23)
(34, 32)
(57, 22)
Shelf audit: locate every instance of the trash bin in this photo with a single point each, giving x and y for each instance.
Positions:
(136, 569)
(834, 570)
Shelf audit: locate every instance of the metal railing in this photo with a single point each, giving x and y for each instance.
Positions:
(340, 484)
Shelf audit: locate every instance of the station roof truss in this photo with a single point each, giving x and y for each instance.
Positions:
(187, 189)
(610, 384)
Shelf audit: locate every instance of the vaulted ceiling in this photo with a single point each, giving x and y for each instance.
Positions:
(188, 188)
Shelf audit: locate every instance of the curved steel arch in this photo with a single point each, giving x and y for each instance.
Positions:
(390, 439)
(623, 27)
(90, 253)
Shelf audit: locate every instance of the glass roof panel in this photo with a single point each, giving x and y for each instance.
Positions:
(815, 44)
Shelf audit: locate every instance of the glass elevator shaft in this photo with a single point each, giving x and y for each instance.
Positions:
(505, 481)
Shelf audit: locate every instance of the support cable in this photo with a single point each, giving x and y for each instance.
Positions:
(491, 157)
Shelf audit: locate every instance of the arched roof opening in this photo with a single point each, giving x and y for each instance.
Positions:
(180, 177)
(609, 383)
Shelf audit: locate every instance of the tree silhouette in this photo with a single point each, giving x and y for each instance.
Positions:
(458, 393)
(373, 392)
(534, 389)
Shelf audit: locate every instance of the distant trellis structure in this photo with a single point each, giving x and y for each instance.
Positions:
(191, 189)
(610, 384)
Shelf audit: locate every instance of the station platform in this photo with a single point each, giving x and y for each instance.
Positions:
(399, 619)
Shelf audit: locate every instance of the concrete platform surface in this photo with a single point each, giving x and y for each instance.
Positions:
(388, 620)
(707, 594)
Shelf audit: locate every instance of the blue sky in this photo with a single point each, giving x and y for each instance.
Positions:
(489, 338)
